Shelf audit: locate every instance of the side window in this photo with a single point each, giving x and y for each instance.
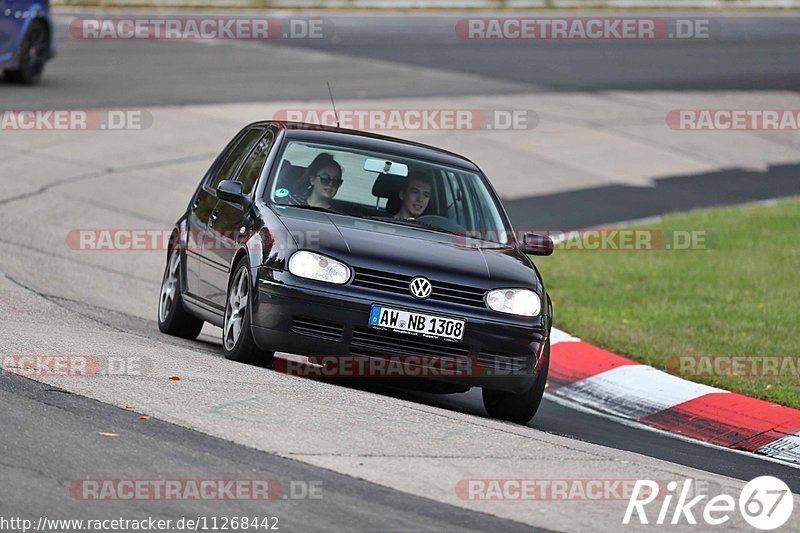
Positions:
(228, 167)
(255, 163)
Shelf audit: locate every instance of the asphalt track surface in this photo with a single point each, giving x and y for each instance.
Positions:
(158, 449)
(48, 433)
(751, 53)
(742, 52)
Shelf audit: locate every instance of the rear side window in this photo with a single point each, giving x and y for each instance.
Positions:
(255, 163)
(234, 157)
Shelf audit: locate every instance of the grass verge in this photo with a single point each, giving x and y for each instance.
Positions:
(691, 311)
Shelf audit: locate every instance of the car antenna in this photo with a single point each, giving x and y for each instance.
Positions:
(333, 103)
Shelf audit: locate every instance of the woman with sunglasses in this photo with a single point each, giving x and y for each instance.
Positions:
(324, 177)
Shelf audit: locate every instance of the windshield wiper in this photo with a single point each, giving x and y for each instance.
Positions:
(412, 223)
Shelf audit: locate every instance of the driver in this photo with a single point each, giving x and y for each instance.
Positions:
(414, 197)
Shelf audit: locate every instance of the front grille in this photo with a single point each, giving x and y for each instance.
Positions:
(367, 341)
(373, 279)
(318, 328)
(399, 284)
(449, 292)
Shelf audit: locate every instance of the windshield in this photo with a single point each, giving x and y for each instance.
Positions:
(389, 188)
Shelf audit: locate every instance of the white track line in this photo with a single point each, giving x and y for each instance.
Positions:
(564, 402)
(634, 391)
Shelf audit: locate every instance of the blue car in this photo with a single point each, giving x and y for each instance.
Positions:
(26, 39)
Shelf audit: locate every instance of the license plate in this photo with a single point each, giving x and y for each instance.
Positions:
(416, 323)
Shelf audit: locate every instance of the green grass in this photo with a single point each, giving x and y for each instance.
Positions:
(738, 296)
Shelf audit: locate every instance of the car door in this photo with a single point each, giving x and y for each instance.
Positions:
(221, 231)
(229, 225)
(199, 212)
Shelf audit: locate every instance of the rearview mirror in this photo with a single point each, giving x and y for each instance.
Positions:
(384, 166)
(537, 244)
(231, 191)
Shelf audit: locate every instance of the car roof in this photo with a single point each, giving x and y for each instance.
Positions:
(302, 131)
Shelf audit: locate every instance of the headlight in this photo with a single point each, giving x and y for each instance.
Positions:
(309, 265)
(521, 302)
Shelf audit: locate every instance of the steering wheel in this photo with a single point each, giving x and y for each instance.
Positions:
(442, 222)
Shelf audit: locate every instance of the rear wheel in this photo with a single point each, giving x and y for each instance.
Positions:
(519, 408)
(173, 319)
(237, 338)
(32, 56)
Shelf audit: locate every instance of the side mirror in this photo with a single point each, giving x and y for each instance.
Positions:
(231, 191)
(537, 244)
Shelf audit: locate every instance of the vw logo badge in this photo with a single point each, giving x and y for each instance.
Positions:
(420, 288)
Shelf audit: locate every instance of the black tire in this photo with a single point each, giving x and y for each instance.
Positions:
(173, 318)
(519, 408)
(32, 56)
(241, 348)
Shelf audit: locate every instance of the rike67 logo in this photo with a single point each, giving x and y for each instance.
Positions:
(765, 503)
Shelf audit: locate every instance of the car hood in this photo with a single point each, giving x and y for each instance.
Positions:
(389, 247)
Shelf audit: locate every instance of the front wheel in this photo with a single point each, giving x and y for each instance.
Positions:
(237, 338)
(32, 56)
(519, 408)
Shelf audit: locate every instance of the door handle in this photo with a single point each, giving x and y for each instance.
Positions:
(213, 216)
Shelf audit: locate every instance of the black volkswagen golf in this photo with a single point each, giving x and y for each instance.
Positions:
(322, 241)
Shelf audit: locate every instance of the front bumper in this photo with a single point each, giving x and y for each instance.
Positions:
(312, 318)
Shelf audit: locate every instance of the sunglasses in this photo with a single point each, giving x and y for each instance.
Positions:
(327, 180)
